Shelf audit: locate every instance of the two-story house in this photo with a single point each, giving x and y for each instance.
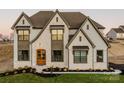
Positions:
(59, 39)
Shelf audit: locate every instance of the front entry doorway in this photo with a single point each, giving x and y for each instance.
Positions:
(41, 56)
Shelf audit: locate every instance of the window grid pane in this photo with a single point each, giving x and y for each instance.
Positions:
(57, 34)
(26, 32)
(57, 55)
(23, 55)
(23, 35)
(80, 56)
(20, 32)
(99, 56)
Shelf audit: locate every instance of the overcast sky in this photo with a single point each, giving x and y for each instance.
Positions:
(108, 18)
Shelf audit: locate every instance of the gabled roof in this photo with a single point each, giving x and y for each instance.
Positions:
(57, 12)
(70, 41)
(26, 16)
(40, 19)
(118, 30)
(122, 26)
(73, 19)
(104, 39)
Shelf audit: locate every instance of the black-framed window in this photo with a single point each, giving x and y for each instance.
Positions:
(57, 55)
(99, 55)
(23, 35)
(57, 34)
(23, 55)
(80, 56)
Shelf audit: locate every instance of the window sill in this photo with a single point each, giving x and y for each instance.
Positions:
(23, 60)
(57, 61)
(80, 62)
(100, 62)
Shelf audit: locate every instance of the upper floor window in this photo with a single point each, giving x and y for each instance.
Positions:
(99, 55)
(23, 34)
(87, 27)
(57, 34)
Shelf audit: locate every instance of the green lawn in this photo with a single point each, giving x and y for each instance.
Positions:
(67, 78)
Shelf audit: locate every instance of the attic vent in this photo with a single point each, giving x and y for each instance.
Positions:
(80, 38)
(56, 19)
(87, 27)
(23, 21)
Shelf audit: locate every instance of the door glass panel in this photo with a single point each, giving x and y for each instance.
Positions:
(38, 54)
(43, 56)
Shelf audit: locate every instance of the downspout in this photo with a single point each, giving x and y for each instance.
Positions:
(31, 54)
(93, 59)
(107, 60)
(68, 58)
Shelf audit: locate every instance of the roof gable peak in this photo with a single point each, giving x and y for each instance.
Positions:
(86, 36)
(22, 14)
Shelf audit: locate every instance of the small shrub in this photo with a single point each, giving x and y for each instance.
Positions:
(26, 67)
(65, 69)
(77, 69)
(97, 70)
(33, 70)
(57, 69)
(111, 69)
(46, 69)
(90, 69)
(7, 73)
(51, 69)
(15, 72)
(60, 69)
(24, 71)
(20, 68)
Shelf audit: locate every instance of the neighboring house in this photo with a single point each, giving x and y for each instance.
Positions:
(59, 39)
(116, 33)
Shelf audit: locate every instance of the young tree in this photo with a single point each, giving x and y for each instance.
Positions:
(5, 38)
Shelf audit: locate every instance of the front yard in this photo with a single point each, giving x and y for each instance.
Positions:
(66, 78)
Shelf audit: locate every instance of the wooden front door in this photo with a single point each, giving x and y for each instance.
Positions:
(41, 56)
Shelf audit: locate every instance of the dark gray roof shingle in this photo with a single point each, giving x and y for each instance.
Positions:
(118, 30)
(74, 19)
(122, 26)
(40, 19)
